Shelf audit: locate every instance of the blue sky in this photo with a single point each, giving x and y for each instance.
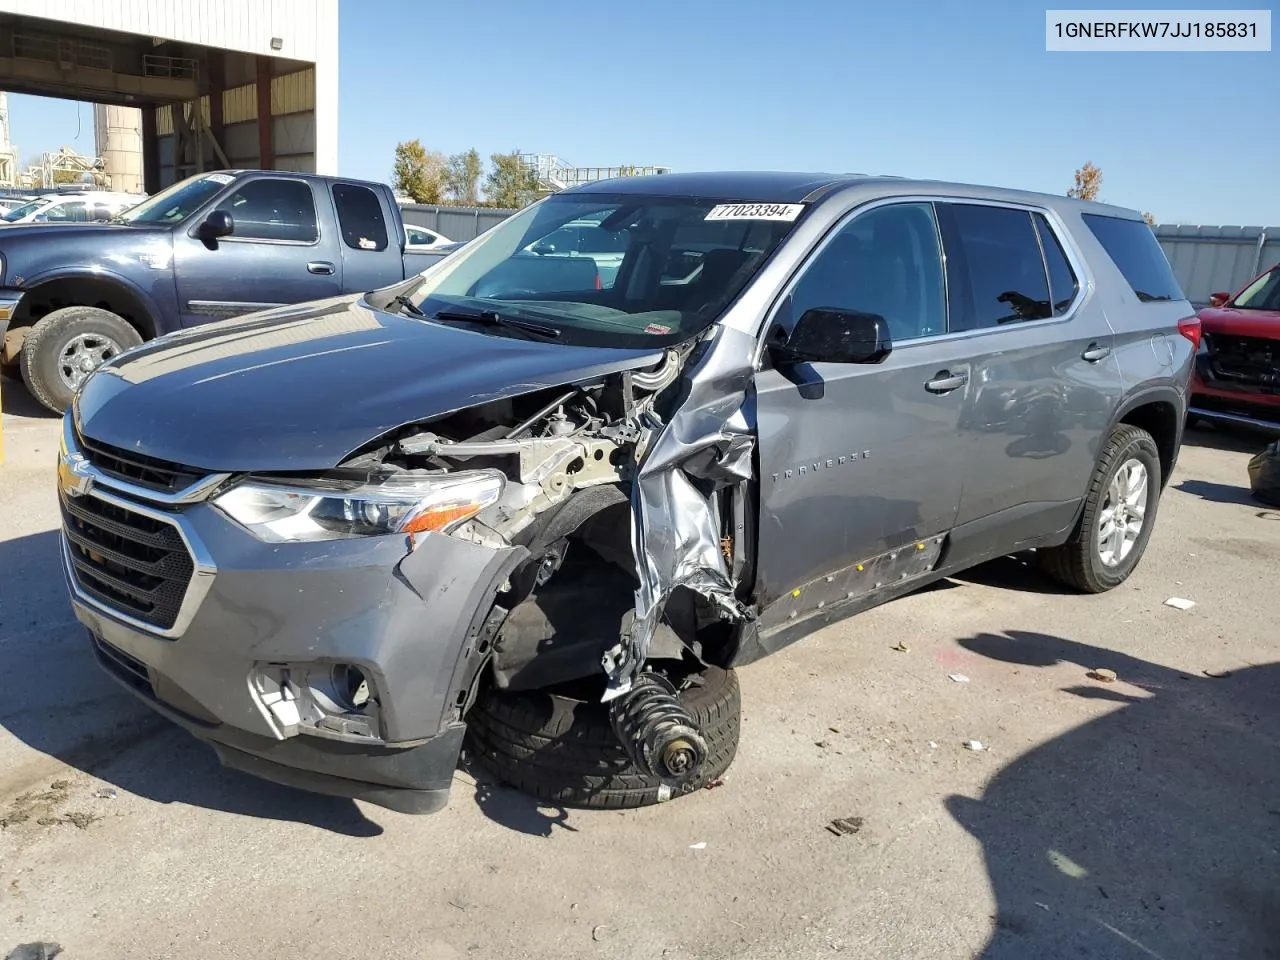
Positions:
(956, 91)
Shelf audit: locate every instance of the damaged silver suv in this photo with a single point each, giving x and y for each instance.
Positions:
(541, 510)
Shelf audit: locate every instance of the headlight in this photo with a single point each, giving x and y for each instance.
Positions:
(330, 509)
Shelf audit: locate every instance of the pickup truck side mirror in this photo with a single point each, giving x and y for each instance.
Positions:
(831, 335)
(543, 247)
(217, 224)
(1218, 299)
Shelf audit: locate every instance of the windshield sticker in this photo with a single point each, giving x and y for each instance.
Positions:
(221, 178)
(657, 328)
(367, 244)
(755, 211)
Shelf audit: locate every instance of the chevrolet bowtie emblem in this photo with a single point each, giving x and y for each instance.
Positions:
(74, 475)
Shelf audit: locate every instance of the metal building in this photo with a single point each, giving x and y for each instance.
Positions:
(231, 83)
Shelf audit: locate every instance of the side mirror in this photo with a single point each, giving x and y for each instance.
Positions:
(1218, 299)
(829, 335)
(543, 247)
(217, 224)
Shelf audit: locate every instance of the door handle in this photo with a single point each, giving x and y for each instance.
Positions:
(1095, 352)
(321, 267)
(944, 381)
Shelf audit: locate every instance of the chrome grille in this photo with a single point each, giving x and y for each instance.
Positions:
(149, 472)
(127, 561)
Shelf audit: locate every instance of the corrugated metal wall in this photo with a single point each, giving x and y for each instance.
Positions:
(456, 223)
(1207, 259)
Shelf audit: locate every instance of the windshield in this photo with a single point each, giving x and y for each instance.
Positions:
(17, 213)
(610, 270)
(1262, 294)
(174, 204)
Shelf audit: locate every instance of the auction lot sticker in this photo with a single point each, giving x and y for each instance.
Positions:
(755, 211)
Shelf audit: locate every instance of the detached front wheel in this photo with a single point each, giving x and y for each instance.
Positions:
(560, 746)
(1119, 512)
(67, 345)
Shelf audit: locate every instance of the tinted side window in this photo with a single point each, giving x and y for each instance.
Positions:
(1134, 248)
(1063, 282)
(360, 217)
(273, 210)
(994, 264)
(886, 261)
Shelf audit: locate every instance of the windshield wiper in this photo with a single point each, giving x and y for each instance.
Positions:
(407, 305)
(496, 319)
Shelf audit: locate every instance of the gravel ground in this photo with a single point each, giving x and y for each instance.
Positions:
(1137, 818)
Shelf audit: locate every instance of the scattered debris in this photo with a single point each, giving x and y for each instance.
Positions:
(599, 933)
(1103, 892)
(822, 744)
(1216, 674)
(105, 793)
(1103, 674)
(1042, 906)
(34, 951)
(698, 846)
(1179, 603)
(63, 785)
(460, 906)
(834, 729)
(901, 647)
(932, 745)
(974, 745)
(712, 784)
(846, 826)
(959, 677)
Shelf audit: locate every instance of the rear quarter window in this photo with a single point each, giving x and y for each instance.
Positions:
(1135, 251)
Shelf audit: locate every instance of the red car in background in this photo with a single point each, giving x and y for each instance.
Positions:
(1237, 371)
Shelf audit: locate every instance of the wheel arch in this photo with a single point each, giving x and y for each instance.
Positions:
(1161, 411)
(81, 288)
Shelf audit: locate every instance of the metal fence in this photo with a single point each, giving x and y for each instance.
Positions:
(1208, 259)
(456, 223)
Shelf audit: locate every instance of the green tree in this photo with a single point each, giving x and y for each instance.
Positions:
(67, 176)
(418, 172)
(510, 184)
(1088, 182)
(462, 178)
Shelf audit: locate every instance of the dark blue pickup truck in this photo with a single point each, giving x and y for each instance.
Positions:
(214, 246)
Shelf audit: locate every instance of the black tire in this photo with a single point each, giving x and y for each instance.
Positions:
(563, 750)
(45, 342)
(1077, 563)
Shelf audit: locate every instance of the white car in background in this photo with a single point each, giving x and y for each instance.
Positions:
(420, 238)
(72, 207)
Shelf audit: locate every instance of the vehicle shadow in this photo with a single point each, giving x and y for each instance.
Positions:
(1217, 492)
(510, 808)
(15, 401)
(1015, 572)
(1149, 832)
(1228, 437)
(72, 711)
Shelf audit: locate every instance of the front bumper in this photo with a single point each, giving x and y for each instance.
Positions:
(408, 619)
(1213, 400)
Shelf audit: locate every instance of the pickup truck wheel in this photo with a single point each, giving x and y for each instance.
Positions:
(562, 749)
(1119, 512)
(67, 345)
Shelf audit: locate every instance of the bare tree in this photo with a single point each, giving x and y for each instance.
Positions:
(1151, 221)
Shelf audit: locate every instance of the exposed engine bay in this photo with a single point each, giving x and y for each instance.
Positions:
(571, 458)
